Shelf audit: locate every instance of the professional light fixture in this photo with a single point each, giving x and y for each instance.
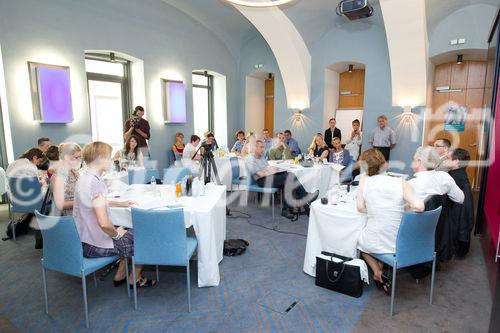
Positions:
(270, 76)
(351, 67)
(460, 58)
(257, 3)
(112, 57)
(298, 117)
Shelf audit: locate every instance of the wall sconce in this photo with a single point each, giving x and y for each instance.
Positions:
(298, 117)
(460, 58)
(351, 67)
(407, 115)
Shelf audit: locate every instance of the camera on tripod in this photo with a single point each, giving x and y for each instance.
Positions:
(135, 122)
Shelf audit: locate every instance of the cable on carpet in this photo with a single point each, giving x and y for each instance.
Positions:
(247, 217)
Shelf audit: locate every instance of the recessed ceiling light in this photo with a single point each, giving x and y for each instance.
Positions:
(257, 3)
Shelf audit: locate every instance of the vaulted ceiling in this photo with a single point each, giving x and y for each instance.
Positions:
(312, 18)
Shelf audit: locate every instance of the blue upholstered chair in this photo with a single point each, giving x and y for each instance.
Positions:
(62, 252)
(173, 175)
(25, 196)
(160, 239)
(414, 245)
(142, 176)
(170, 158)
(253, 187)
(235, 172)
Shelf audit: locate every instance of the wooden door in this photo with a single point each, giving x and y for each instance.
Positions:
(269, 105)
(355, 83)
(442, 75)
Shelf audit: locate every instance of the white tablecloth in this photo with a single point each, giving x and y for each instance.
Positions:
(207, 214)
(318, 177)
(3, 182)
(225, 171)
(333, 228)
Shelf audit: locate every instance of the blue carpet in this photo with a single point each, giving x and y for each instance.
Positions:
(255, 291)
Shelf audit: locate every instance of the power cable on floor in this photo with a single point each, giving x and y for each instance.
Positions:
(247, 217)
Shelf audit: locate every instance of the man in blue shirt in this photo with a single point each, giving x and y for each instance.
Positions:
(292, 144)
(268, 141)
(240, 142)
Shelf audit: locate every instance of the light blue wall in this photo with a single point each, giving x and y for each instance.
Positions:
(472, 23)
(164, 38)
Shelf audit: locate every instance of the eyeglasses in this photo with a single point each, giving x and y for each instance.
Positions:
(439, 146)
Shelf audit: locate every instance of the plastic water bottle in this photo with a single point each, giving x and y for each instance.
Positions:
(153, 184)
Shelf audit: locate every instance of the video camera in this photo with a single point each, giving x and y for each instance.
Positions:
(135, 122)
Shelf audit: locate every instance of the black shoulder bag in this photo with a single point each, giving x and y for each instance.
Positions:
(338, 276)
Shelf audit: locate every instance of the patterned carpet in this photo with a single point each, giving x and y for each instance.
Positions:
(255, 291)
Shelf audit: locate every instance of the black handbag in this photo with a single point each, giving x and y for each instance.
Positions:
(338, 276)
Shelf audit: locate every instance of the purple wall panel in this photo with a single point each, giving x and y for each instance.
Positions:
(55, 95)
(176, 108)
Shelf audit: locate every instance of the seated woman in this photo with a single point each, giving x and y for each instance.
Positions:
(91, 211)
(318, 147)
(52, 155)
(26, 166)
(65, 177)
(338, 154)
(383, 198)
(190, 159)
(249, 144)
(131, 154)
(178, 147)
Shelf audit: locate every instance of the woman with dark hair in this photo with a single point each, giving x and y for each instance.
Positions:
(131, 154)
(338, 154)
(383, 199)
(52, 154)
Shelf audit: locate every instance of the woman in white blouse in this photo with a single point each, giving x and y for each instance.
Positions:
(383, 199)
(353, 144)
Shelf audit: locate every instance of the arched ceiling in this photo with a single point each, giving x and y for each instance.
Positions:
(437, 10)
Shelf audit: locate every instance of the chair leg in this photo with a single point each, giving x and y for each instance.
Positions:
(126, 276)
(393, 290)
(95, 280)
(157, 274)
(11, 218)
(85, 305)
(272, 199)
(133, 282)
(44, 280)
(432, 277)
(188, 286)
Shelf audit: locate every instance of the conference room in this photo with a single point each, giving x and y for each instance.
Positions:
(249, 165)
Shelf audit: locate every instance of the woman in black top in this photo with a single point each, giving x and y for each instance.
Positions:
(318, 147)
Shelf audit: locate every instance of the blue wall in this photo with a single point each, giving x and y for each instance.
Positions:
(153, 31)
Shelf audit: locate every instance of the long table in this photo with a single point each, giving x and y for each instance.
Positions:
(333, 228)
(207, 215)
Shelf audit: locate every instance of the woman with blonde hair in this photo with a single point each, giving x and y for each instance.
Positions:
(318, 147)
(65, 177)
(100, 238)
(178, 146)
(383, 199)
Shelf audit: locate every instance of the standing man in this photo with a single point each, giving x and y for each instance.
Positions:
(138, 127)
(332, 132)
(442, 147)
(383, 137)
(292, 144)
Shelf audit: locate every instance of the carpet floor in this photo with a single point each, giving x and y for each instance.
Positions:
(257, 293)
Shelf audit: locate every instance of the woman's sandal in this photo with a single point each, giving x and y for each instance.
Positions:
(387, 282)
(143, 283)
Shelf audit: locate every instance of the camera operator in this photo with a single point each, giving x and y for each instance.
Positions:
(138, 127)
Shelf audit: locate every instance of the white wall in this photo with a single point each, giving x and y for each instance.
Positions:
(332, 81)
(254, 104)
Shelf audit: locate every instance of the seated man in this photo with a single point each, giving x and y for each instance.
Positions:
(280, 151)
(265, 175)
(427, 181)
(292, 143)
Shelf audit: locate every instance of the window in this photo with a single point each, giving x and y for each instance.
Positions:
(203, 110)
(109, 86)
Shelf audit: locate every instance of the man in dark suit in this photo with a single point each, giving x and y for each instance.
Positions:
(332, 132)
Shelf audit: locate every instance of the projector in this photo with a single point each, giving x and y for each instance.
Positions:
(355, 9)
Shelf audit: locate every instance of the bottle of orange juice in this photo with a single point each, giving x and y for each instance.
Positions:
(296, 160)
(178, 190)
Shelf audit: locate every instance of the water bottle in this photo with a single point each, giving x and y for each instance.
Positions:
(153, 184)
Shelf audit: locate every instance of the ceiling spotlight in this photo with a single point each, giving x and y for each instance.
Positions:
(460, 58)
(270, 76)
(351, 67)
(256, 3)
(112, 57)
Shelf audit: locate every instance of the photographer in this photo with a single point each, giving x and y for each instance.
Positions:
(139, 127)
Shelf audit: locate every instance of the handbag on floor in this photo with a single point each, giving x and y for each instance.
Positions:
(338, 275)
